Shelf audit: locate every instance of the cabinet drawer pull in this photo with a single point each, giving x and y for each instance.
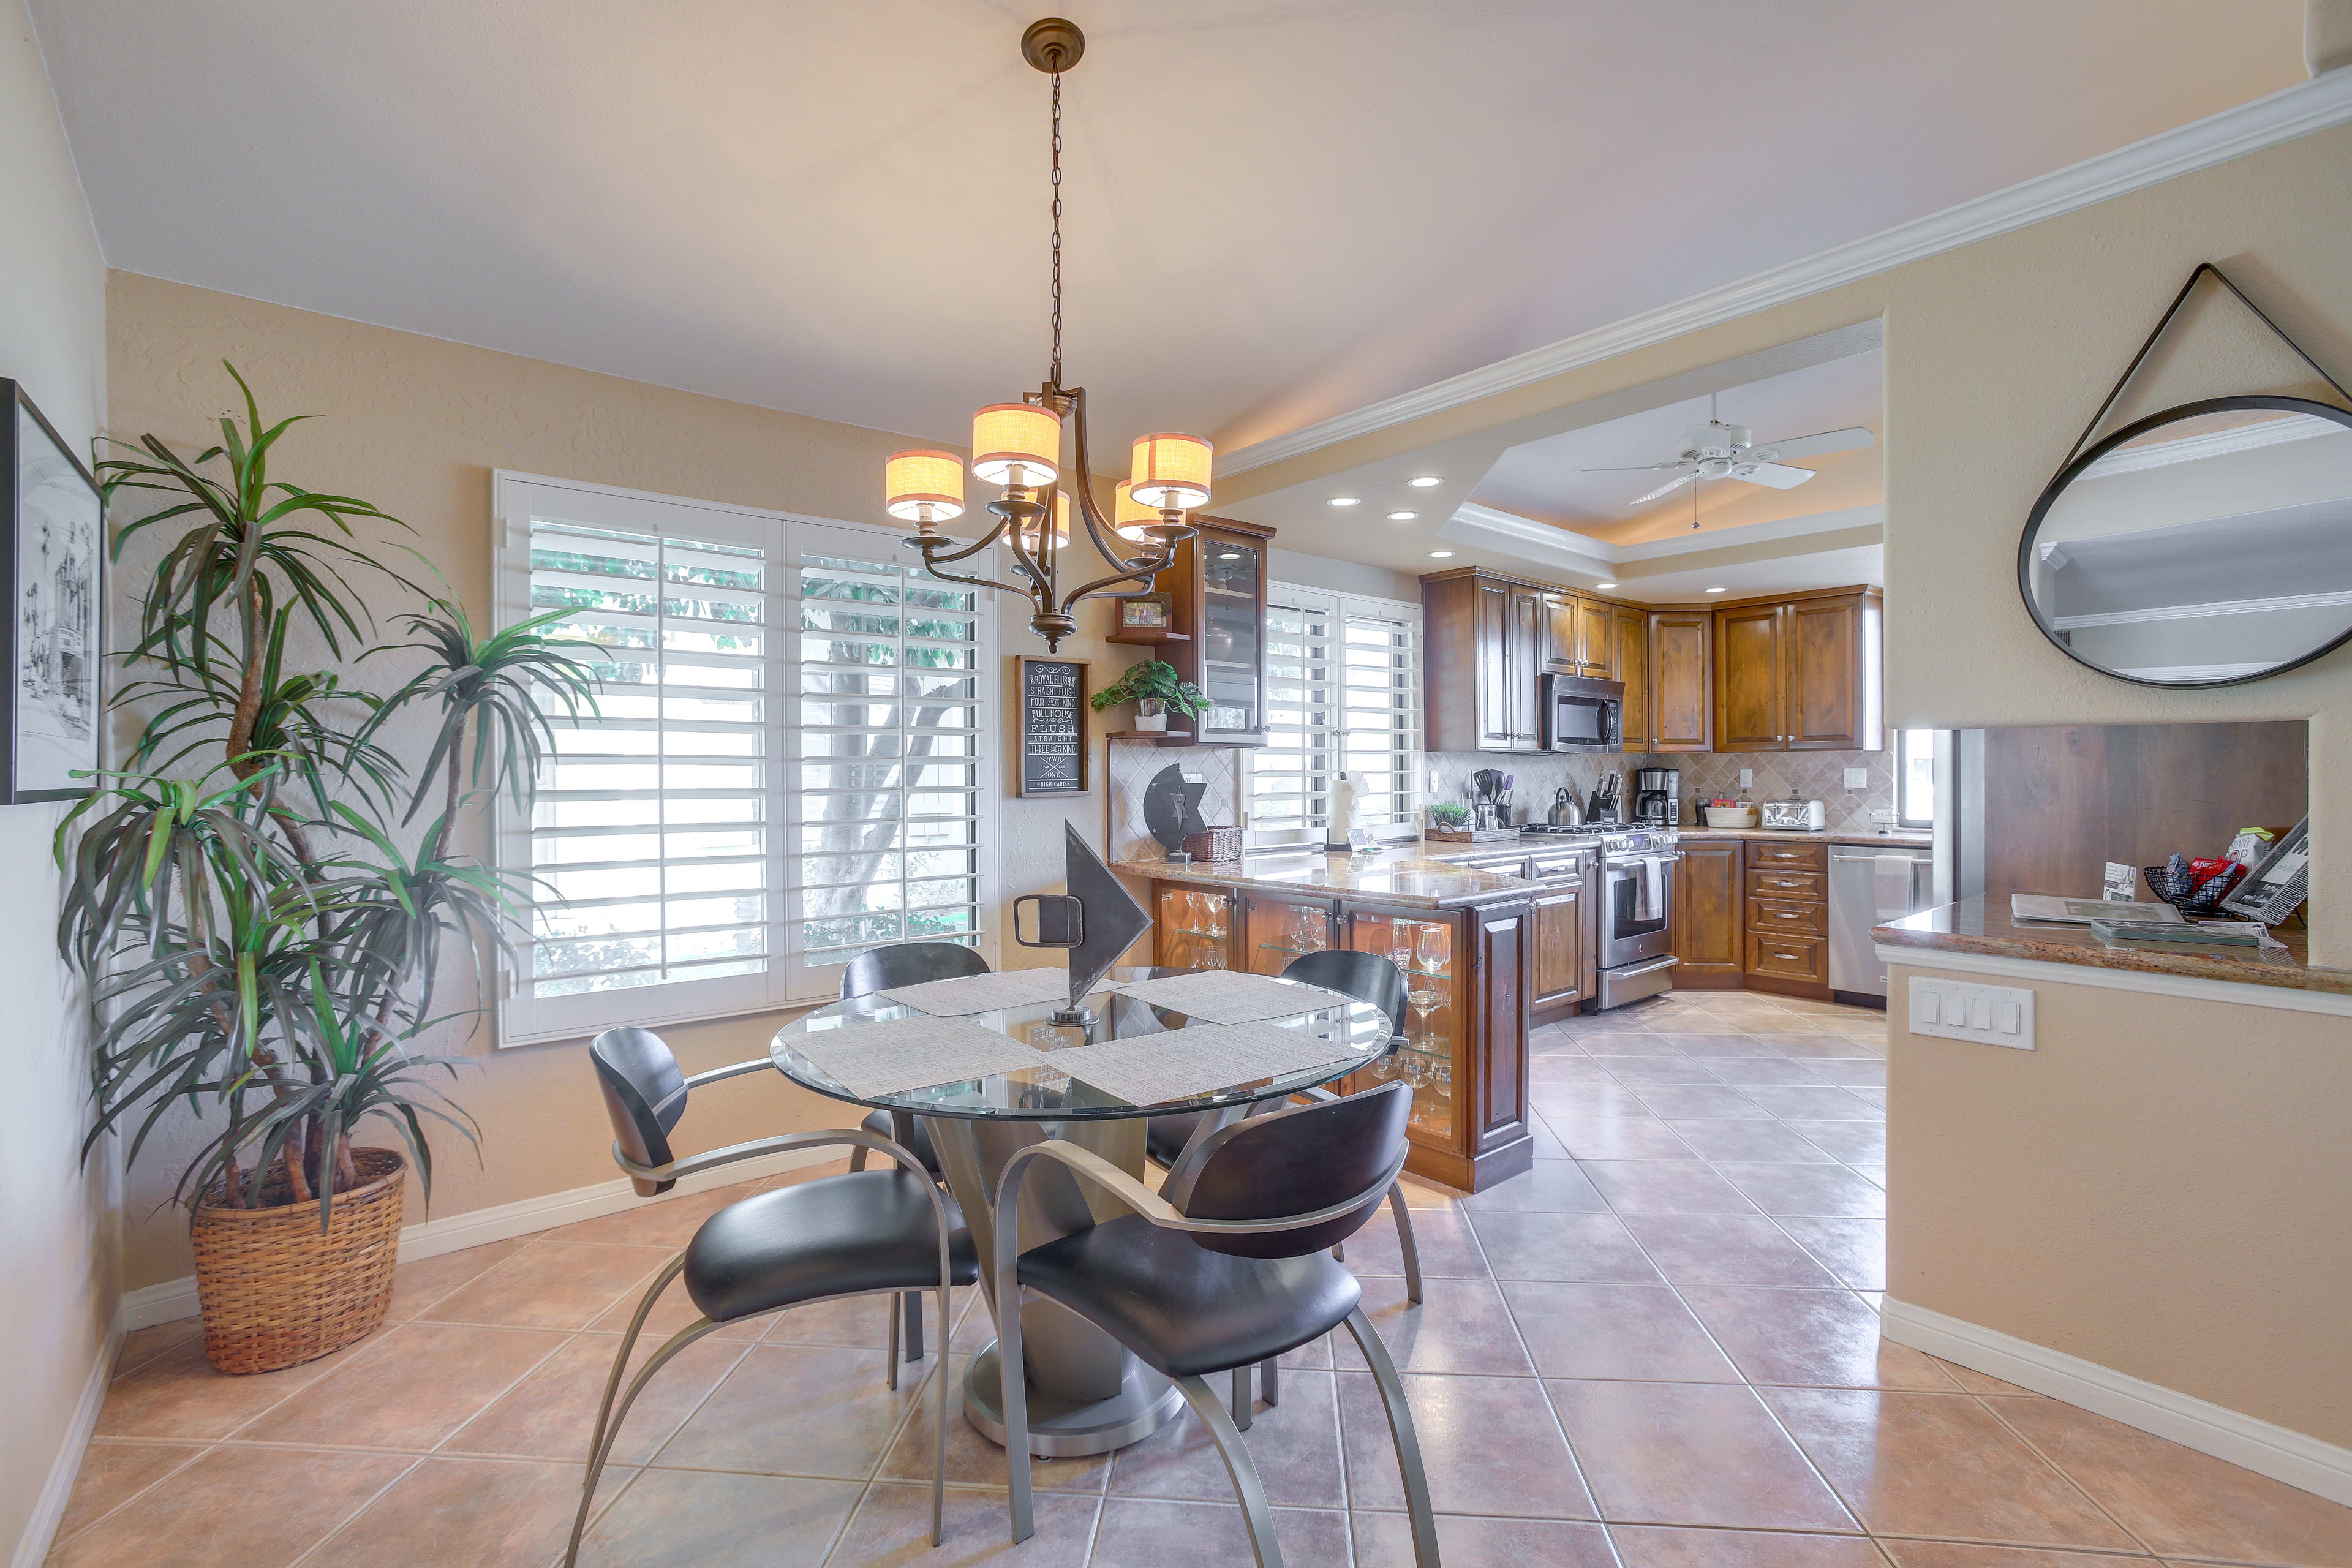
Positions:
(1785, 882)
(1786, 915)
(1790, 956)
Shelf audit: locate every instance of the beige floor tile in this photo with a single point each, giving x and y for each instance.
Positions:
(1939, 1465)
(416, 1286)
(142, 1346)
(689, 1518)
(1546, 1146)
(858, 1322)
(797, 1410)
(1853, 1249)
(1295, 1446)
(1823, 1337)
(1775, 1068)
(1822, 1104)
(1552, 1187)
(235, 1507)
(1877, 1097)
(1581, 1099)
(1682, 1453)
(1462, 1326)
(112, 1474)
(1614, 1332)
(1665, 1546)
(1442, 1237)
(1855, 1142)
(551, 1285)
(673, 1310)
(972, 1459)
(1979, 1383)
(1717, 1051)
(2179, 1502)
(1959, 1554)
(1146, 1533)
(1666, 1186)
(893, 1525)
(420, 1383)
(1724, 1249)
(1582, 1247)
(1633, 1043)
(1855, 1072)
(551, 1413)
(668, 1221)
(1639, 1071)
(1754, 1142)
(1812, 1192)
(1564, 1067)
(179, 1393)
(1490, 1446)
(1620, 1138)
(1385, 1540)
(1692, 1101)
(1421, 1192)
(462, 1511)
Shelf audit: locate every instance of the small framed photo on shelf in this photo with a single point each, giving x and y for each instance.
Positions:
(1144, 612)
(55, 555)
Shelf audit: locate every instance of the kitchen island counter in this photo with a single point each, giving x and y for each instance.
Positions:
(1405, 876)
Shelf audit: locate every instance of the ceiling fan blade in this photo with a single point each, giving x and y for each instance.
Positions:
(1780, 475)
(1816, 445)
(1677, 482)
(1639, 467)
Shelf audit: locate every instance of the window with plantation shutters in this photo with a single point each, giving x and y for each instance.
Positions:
(1343, 694)
(785, 768)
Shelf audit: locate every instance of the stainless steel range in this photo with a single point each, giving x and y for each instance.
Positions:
(1637, 906)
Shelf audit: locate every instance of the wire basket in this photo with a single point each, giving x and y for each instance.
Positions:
(2196, 896)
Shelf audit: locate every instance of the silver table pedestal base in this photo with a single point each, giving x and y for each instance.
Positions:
(1061, 1429)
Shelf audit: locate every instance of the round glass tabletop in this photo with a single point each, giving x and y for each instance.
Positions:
(1357, 1031)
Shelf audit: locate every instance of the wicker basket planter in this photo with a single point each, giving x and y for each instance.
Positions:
(277, 1291)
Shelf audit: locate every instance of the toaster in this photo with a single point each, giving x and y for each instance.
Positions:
(1794, 814)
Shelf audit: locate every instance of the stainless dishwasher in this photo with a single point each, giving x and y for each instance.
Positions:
(1868, 886)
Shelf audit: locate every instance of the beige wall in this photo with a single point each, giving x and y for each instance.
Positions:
(417, 425)
(57, 1216)
(2160, 1187)
(1996, 356)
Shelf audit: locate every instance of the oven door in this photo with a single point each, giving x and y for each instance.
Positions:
(1637, 904)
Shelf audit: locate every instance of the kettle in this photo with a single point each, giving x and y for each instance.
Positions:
(1564, 812)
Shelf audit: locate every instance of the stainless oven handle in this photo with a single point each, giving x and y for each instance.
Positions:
(1648, 967)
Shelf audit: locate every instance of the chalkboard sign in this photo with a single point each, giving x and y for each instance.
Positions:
(1053, 725)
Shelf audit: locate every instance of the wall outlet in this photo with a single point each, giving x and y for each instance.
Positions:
(1962, 1010)
(1747, 780)
(1857, 778)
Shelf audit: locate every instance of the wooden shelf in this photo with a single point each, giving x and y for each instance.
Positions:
(1147, 636)
(1158, 737)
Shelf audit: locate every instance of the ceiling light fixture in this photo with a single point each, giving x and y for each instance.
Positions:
(1424, 481)
(1714, 590)
(1403, 516)
(1017, 446)
(1604, 585)
(1439, 554)
(1345, 501)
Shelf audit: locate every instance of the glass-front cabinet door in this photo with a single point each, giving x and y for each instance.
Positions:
(1194, 927)
(1435, 1016)
(1232, 634)
(1277, 930)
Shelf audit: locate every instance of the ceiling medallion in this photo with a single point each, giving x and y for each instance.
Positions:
(1017, 448)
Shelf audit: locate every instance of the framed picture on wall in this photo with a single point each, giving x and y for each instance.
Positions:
(55, 556)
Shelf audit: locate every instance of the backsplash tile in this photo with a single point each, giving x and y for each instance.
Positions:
(1807, 775)
(1135, 764)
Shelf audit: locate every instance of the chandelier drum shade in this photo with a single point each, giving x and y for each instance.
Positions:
(1018, 449)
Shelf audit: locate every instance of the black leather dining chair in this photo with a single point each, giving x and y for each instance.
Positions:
(855, 1235)
(1369, 977)
(1228, 1270)
(885, 969)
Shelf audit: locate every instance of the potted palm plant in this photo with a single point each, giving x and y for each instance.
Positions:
(1154, 686)
(261, 919)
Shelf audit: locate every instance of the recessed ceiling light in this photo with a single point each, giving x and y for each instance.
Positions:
(1604, 585)
(1422, 481)
(1439, 554)
(1403, 516)
(1714, 590)
(1345, 501)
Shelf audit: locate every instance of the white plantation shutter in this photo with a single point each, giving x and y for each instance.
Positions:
(1343, 692)
(784, 769)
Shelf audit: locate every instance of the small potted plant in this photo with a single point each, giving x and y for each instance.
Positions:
(1154, 688)
(1452, 818)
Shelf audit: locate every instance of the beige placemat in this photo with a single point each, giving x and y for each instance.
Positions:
(1180, 1064)
(1226, 996)
(967, 993)
(873, 1059)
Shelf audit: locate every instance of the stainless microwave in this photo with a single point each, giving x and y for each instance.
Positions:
(1581, 714)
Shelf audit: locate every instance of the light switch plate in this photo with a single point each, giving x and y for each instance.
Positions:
(1857, 778)
(1963, 1010)
(1747, 779)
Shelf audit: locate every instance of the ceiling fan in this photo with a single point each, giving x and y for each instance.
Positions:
(1718, 451)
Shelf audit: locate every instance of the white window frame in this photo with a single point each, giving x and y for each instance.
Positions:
(1339, 608)
(524, 1019)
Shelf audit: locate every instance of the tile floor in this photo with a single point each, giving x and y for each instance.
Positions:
(1659, 1348)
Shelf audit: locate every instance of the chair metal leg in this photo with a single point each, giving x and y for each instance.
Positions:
(890, 1357)
(629, 1342)
(603, 1448)
(1405, 1243)
(1401, 1429)
(1339, 1252)
(1241, 1376)
(1240, 1467)
(939, 1456)
(913, 1301)
(1268, 1388)
(1013, 1399)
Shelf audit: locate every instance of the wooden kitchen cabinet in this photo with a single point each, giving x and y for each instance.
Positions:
(1522, 674)
(1786, 946)
(1561, 624)
(1629, 632)
(1217, 586)
(1596, 639)
(1682, 680)
(1192, 927)
(1800, 674)
(1485, 641)
(1276, 930)
(1706, 931)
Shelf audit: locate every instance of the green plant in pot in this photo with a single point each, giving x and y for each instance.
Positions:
(1155, 689)
(262, 919)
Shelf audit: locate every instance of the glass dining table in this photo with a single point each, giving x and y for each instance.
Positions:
(1088, 1394)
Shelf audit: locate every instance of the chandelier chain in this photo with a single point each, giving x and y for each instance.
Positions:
(1057, 228)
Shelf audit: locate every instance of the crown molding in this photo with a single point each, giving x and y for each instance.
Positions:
(2334, 599)
(2221, 443)
(1473, 524)
(2284, 116)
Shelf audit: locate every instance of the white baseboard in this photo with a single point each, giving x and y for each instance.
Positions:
(40, 1530)
(175, 1298)
(2262, 1447)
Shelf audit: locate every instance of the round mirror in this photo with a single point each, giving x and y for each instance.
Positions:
(2208, 544)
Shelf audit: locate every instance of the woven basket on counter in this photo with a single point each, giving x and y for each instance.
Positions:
(1214, 844)
(277, 1291)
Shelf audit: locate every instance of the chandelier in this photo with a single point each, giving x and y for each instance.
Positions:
(1016, 449)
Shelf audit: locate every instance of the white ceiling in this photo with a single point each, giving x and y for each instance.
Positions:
(1277, 211)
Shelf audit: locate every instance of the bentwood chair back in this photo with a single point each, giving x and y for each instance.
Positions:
(866, 1233)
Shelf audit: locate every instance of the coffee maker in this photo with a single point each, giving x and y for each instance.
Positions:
(1658, 795)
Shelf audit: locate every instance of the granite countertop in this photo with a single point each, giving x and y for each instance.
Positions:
(1906, 837)
(1978, 925)
(1403, 874)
